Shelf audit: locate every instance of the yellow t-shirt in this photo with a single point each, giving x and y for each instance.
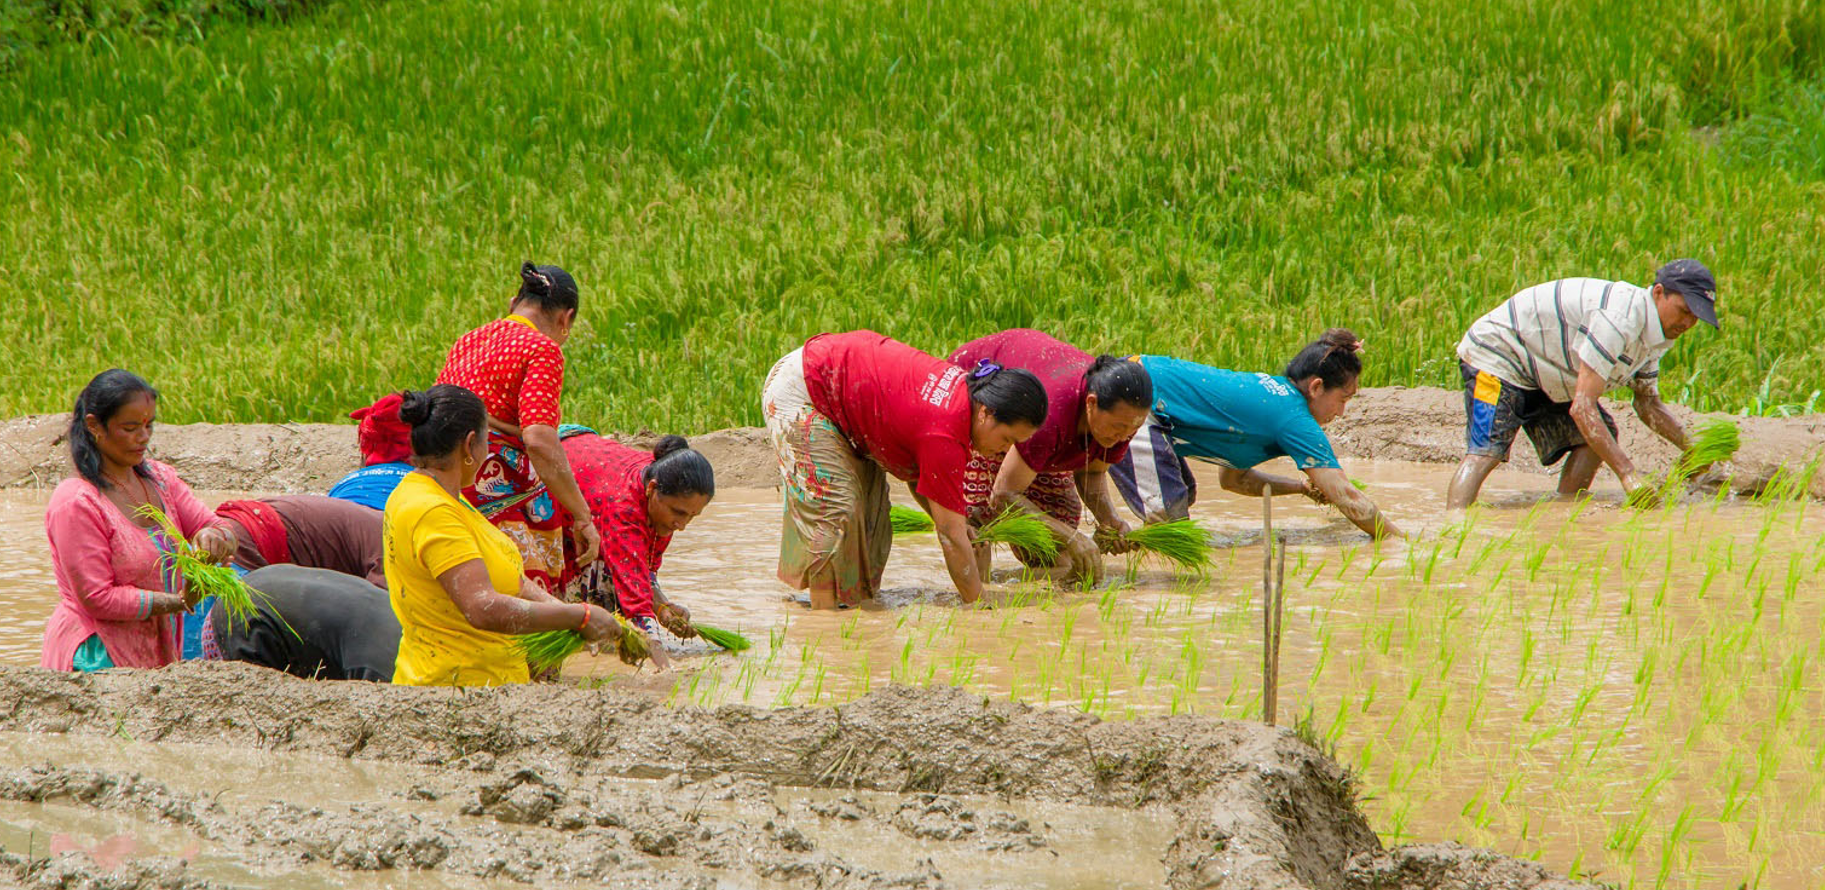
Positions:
(428, 531)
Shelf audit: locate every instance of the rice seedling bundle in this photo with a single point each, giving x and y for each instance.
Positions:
(1714, 442)
(908, 521)
(1019, 529)
(727, 639)
(632, 648)
(1182, 542)
(200, 573)
(548, 649)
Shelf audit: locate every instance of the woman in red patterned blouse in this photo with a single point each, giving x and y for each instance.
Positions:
(516, 364)
(638, 499)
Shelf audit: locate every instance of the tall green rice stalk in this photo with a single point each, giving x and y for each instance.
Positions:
(727, 639)
(200, 573)
(1182, 542)
(1018, 528)
(907, 521)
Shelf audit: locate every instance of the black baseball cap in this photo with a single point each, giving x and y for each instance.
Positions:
(1690, 279)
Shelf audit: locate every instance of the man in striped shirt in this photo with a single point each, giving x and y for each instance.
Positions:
(1540, 361)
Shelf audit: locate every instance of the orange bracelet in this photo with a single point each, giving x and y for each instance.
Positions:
(586, 612)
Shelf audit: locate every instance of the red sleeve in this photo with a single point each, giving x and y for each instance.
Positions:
(542, 386)
(941, 464)
(624, 551)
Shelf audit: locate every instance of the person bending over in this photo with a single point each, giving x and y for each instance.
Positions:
(844, 412)
(1540, 361)
(1239, 421)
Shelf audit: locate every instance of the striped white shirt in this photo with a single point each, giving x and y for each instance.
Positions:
(1537, 338)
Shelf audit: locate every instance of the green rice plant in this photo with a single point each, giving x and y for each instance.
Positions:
(1182, 542)
(547, 650)
(1021, 530)
(727, 639)
(908, 521)
(1714, 442)
(201, 573)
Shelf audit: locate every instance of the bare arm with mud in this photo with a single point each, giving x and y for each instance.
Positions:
(553, 467)
(1654, 413)
(1253, 482)
(1111, 529)
(488, 609)
(1589, 418)
(1335, 488)
(1078, 553)
(959, 551)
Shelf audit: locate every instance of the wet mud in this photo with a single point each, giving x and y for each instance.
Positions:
(267, 774)
(1417, 424)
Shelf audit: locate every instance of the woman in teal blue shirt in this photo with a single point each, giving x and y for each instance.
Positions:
(1239, 420)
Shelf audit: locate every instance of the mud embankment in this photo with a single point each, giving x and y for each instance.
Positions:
(552, 784)
(1424, 425)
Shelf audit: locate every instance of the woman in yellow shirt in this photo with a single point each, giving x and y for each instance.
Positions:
(456, 582)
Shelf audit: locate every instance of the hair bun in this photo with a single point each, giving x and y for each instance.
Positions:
(1340, 338)
(669, 445)
(414, 407)
(535, 282)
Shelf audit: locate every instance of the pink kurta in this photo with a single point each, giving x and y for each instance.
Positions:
(108, 570)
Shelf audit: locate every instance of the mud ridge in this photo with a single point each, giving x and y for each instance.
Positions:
(1420, 424)
(540, 783)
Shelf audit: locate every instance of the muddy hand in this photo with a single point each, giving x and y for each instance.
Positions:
(676, 619)
(1114, 538)
(217, 543)
(602, 629)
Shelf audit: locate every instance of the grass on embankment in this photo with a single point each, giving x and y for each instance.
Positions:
(281, 221)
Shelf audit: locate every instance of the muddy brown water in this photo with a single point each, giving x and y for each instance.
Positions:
(1633, 696)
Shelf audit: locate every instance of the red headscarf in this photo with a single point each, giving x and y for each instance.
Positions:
(383, 436)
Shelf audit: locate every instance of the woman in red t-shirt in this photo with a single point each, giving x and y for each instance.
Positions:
(845, 411)
(516, 365)
(638, 499)
(1097, 405)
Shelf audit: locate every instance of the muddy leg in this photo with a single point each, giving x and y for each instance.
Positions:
(1581, 467)
(1468, 480)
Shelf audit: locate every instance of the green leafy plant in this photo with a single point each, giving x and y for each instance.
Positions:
(1183, 542)
(201, 573)
(1021, 530)
(727, 639)
(908, 521)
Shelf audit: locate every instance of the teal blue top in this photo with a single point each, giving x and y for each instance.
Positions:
(1233, 418)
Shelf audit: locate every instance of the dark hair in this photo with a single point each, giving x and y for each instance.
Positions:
(1118, 381)
(1331, 358)
(549, 286)
(103, 397)
(677, 469)
(1012, 395)
(440, 417)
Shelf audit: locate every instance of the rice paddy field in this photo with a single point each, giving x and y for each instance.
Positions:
(279, 220)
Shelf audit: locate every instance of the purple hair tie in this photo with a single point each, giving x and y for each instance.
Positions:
(984, 368)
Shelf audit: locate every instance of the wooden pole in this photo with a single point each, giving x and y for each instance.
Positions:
(1279, 616)
(1267, 606)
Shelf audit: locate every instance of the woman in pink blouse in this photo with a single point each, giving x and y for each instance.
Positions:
(117, 604)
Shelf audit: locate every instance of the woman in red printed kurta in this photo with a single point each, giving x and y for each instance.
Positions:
(846, 410)
(638, 499)
(516, 365)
